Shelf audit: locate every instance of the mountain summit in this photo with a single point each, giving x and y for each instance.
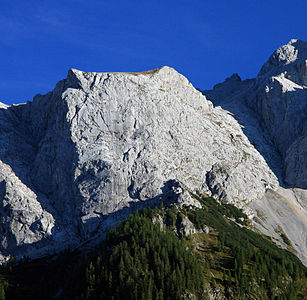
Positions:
(272, 108)
(81, 158)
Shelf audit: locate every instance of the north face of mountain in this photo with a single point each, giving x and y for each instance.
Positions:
(84, 156)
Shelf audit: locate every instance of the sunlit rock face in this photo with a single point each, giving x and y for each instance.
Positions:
(272, 109)
(82, 157)
(280, 98)
(79, 159)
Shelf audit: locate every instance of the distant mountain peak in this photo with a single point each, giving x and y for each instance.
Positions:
(294, 52)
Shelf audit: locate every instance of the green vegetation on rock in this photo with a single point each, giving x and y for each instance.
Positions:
(142, 258)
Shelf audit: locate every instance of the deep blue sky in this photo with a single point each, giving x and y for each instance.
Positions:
(205, 40)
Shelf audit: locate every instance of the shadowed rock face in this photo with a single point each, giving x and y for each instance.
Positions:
(280, 98)
(79, 159)
(272, 110)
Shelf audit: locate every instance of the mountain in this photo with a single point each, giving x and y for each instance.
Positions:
(272, 109)
(168, 253)
(78, 160)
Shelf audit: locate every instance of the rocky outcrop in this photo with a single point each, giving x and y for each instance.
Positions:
(280, 98)
(84, 156)
(79, 159)
(272, 110)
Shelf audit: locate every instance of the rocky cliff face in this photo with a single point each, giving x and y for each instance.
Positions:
(82, 157)
(273, 112)
(280, 99)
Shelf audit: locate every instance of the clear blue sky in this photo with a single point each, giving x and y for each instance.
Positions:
(205, 40)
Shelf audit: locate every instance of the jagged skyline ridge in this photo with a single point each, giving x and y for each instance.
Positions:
(205, 41)
(82, 157)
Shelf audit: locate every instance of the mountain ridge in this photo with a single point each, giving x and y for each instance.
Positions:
(81, 158)
(264, 107)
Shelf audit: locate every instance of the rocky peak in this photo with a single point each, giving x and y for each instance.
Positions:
(87, 154)
(280, 98)
(289, 60)
(272, 110)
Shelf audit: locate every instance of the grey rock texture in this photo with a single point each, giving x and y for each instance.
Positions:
(82, 157)
(158, 220)
(272, 110)
(284, 211)
(280, 98)
(186, 227)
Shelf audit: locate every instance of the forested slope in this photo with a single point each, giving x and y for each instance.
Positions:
(167, 253)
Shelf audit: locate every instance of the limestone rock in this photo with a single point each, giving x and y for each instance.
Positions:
(205, 229)
(280, 98)
(295, 165)
(158, 220)
(284, 210)
(272, 110)
(185, 227)
(289, 59)
(103, 144)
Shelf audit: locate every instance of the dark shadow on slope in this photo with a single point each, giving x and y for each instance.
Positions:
(168, 196)
(35, 142)
(280, 61)
(231, 96)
